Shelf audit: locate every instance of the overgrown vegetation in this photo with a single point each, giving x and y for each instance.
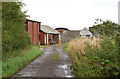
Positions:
(13, 64)
(17, 50)
(105, 28)
(55, 57)
(14, 35)
(95, 57)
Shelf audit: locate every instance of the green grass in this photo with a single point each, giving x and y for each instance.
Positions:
(66, 46)
(44, 46)
(62, 44)
(14, 64)
(55, 57)
(0, 69)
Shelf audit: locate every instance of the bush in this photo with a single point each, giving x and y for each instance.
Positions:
(106, 58)
(108, 50)
(99, 60)
(14, 35)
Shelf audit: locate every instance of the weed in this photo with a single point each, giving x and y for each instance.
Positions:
(55, 57)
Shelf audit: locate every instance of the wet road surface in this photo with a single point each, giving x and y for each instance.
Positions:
(44, 66)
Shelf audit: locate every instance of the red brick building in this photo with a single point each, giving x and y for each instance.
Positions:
(61, 30)
(33, 28)
(48, 34)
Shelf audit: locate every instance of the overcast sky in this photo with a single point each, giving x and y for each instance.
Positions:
(71, 14)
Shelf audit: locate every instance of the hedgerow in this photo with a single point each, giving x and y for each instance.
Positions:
(14, 35)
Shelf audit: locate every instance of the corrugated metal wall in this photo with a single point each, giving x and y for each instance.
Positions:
(33, 30)
(42, 38)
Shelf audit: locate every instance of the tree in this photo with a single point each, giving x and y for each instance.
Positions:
(14, 35)
(107, 28)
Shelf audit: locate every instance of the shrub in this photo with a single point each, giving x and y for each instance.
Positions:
(100, 58)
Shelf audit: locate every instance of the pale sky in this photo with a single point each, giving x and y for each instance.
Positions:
(71, 14)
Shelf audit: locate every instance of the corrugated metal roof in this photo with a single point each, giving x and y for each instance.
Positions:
(85, 31)
(47, 29)
(75, 30)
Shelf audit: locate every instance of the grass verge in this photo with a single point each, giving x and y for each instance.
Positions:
(14, 64)
(55, 57)
(44, 46)
(0, 69)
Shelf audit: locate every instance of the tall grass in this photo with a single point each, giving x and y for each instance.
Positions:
(94, 57)
(0, 69)
(14, 64)
(79, 44)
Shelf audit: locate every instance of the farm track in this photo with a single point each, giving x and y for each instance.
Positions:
(44, 66)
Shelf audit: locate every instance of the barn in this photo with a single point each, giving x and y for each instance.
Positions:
(86, 33)
(67, 35)
(48, 34)
(70, 34)
(33, 28)
(61, 30)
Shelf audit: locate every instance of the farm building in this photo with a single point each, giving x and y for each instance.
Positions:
(48, 34)
(85, 33)
(61, 30)
(33, 28)
(70, 34)
(67, 35)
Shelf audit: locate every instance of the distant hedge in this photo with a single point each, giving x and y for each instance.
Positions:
(14, 35)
